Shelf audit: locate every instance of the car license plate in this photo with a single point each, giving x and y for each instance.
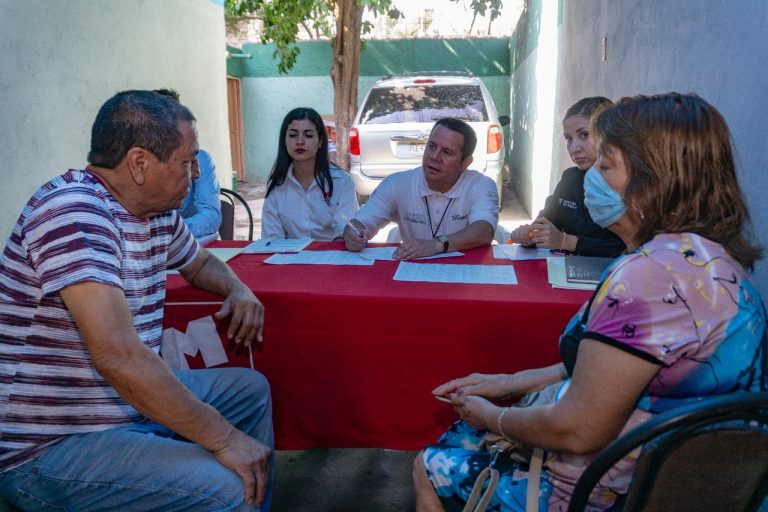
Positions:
(417, 149)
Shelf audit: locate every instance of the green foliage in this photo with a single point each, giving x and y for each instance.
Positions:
(282, 18)
(482, 6)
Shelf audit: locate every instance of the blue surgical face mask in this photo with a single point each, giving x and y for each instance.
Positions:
(605, 205)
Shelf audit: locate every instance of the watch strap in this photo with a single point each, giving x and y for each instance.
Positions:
(445, 241)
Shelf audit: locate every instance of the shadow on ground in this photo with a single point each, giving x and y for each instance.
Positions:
(343, 480)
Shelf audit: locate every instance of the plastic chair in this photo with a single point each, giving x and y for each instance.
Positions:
(712, 455)
(393, 237)
(227, 228)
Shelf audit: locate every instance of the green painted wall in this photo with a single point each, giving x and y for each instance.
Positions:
(267, 95)
(482, 57)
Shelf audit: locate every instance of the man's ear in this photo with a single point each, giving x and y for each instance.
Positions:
(137, 160)
(467, 162)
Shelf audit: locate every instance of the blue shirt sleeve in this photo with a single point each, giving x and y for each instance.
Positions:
(201, 209)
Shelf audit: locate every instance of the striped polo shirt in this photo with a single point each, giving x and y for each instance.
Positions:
(73, 230)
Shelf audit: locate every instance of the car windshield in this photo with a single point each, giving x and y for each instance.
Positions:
(424, 103)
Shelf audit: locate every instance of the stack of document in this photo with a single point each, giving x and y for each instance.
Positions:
(319, 258)
(267, 246)
(442, 273)
(517, 252)
(367, 256)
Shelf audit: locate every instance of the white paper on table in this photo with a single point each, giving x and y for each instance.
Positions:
(377, 253)
(446, 273)
(556, 275)
(385, 254)
(318, 258)
(277, 245)
(223, 253)
(518, 253)
(441, 255)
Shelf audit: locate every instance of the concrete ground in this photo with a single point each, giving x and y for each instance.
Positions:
(346, 480)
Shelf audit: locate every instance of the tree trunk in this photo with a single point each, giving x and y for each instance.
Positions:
(345, 71)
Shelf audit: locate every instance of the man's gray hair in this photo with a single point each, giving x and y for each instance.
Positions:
(130, 119)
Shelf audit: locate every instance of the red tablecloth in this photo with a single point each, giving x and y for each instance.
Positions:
(352, 355)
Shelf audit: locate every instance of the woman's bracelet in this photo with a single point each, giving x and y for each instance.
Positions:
(501, 417)
(562, 244)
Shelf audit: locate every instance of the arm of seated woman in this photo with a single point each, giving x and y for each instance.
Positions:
(605, 386)
(503, 386)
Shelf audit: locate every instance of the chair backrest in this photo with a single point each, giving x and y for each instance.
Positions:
(227, 228)
(393, 237)
(709, 456)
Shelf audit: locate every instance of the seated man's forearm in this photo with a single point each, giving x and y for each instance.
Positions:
(209, 273)
(477, 234)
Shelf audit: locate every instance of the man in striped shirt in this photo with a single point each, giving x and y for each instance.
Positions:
(90, 417)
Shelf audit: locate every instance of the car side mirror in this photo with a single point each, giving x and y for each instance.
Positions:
(503, 120)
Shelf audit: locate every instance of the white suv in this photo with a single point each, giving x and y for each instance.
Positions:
(392, 126)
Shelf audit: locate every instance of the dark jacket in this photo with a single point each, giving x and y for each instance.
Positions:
(565, 209)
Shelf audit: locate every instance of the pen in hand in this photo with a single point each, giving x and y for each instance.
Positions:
(354, 228)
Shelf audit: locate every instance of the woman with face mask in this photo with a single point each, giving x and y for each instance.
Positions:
(306, 196)
(565, 224)
(675, 319)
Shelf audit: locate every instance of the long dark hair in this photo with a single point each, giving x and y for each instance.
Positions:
(283, 161)
(682, 170)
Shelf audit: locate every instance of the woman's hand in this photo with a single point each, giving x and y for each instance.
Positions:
(546, 235)
(501, 386)
(494, 387)
(522, 235)
(476, 411)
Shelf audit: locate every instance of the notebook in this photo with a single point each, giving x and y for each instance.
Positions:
(585, 269)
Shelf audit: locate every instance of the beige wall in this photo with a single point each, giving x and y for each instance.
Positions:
(61, 59)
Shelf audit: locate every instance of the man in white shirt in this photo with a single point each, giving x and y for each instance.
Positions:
(440, 206)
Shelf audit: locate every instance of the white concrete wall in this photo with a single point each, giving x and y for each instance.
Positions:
(61, 59)
(715, 48)
(266, 100)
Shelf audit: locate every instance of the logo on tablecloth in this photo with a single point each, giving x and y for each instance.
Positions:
(201, 336)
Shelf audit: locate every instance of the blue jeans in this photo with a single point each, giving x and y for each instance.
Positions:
(145, 466)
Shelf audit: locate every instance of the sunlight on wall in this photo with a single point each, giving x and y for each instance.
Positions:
(546, 86)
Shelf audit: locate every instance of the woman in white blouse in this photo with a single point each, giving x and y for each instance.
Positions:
(306, 196)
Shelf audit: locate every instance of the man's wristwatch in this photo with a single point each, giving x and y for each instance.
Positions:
(443, 239)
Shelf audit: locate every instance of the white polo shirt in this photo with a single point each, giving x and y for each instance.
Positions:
(422, 213)
(291, 212)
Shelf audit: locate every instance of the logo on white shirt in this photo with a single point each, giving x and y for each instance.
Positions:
(415, 218)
